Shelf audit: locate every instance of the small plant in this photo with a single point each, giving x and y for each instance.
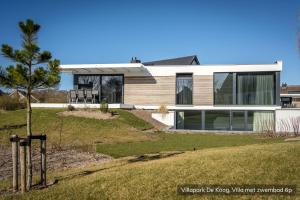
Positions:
(104, 106)
(71, 108)
(163, 109)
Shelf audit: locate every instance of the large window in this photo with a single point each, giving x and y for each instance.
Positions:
(238, 121)
(108, 87)
(260, 121)
(111, 89)
(217, 120)
(184, 89)
(223, 88)
(190, 120)
(256, 89)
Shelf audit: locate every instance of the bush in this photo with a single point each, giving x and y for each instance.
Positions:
(10, 103)
(71, 108)
(104, 106)
(163, 109)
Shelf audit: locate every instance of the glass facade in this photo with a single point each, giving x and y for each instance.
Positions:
(217, 120)
(245, 88)
(190, 120)
(238, 121)
(184, 89)
(108, 87)
(256, 89)
(111, 89)
(258, 121)
(223, 88)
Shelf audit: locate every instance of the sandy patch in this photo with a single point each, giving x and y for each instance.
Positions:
(94, 114)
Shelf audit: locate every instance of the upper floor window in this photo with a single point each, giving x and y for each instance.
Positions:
(255, 89)
(184, 89)
(223, 88)
(251, 88)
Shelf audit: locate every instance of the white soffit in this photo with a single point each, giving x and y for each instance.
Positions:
(102, 68)
(133, 69)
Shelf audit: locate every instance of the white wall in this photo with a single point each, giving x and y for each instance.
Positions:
(287, 120)
(167, 119)
(79, 105)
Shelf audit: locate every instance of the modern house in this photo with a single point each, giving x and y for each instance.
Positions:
(199, 97)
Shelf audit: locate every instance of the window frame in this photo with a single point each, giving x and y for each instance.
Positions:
(192, 99)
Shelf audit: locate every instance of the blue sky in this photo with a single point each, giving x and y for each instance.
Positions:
(218, 32)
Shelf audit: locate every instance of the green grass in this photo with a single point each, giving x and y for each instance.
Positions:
(181, 142)
(276, 163)
(75, 131)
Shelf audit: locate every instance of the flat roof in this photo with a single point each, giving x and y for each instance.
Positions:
(133, 69)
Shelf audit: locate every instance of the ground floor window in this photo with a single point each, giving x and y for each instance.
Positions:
(189, 120)
(260, 120)
(225, 120)
(217, 120)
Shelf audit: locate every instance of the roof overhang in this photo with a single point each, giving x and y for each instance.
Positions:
(103, 68)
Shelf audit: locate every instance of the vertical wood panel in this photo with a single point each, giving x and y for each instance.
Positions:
(203, 90)
(149, 90)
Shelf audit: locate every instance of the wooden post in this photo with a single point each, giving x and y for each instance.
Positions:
(43, 160)
(15, 154)
(23, 145)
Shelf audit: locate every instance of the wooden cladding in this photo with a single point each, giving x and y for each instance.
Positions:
(203, 94)
(149, 90)
(160, 90)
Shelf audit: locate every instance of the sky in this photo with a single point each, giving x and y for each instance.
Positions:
(111, 31)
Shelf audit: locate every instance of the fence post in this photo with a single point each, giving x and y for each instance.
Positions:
(15, 154)
(43, 160)
(23, 145)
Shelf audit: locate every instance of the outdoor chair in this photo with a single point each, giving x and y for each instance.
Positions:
(89, 96)
(72, 96)
(94, 93)
(80, 96)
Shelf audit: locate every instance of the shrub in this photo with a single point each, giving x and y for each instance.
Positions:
(10, 103)
(104, 106)
(71, 108)
(163, 109)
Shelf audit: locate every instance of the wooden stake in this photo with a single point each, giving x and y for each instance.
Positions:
(15, 154)
(43, 161)
(23, 145)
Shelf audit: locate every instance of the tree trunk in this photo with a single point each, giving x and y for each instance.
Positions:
(29, 133)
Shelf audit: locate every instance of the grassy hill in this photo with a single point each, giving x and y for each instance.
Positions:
(276, 163)
(74, 131)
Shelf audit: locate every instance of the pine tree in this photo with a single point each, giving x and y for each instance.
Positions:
(33, 69)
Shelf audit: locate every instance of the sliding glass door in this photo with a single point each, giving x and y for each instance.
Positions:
(107, 87)
(112, 89)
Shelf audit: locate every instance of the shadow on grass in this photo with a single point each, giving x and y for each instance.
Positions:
(10, 127)
(148, 157)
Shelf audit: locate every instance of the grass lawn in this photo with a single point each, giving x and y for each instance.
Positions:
(275, 163)
(75, 131)
(181, 142)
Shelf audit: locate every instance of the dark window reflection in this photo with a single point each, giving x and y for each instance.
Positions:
(223, 88)
(184, 89)
(106, 87)
(111, 89)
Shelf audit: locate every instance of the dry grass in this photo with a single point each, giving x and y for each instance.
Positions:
(252, 164)
(74, 131)
(92, 114)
